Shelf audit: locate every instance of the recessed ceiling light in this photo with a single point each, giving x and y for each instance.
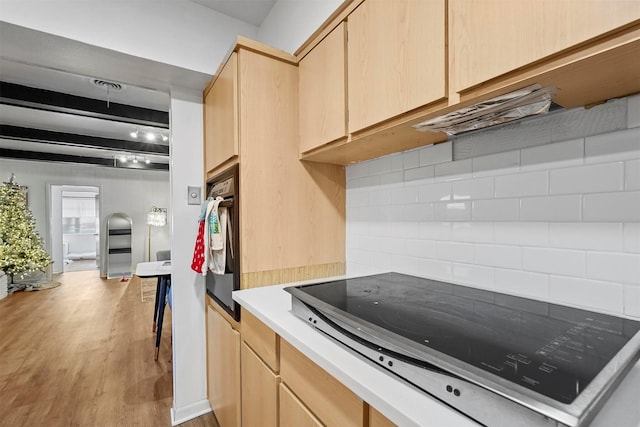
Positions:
(165, 137)
(135, 160)
(134, 134)
(150, 136)
(123, 159)
(147, 161)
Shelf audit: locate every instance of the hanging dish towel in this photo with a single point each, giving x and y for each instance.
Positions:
(215, 236)
(198, 264)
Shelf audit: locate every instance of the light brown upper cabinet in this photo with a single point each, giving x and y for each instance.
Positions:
(322, 92)
(489, 38)
(220, 116)
(396, 59)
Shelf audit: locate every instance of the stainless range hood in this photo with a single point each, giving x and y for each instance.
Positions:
(529, 101)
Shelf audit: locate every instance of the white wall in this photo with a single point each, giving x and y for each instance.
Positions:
(548, 208)
(189, 374)
(291, 22)
(180, 33)
(121, 190)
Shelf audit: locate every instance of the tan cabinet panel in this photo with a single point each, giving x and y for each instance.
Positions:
(223, 369)
(488, 38)
(376, 419)
(220, 117)
(332, 402)
(293, 413)
(262, 340)
(259, 391)
(322, 92)
(396, 58)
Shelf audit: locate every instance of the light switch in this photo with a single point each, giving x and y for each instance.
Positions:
(193, 195)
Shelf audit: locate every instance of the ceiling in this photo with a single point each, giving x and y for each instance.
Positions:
(78, 111)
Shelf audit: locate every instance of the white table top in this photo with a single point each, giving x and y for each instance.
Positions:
(400, 402)
(153, 269)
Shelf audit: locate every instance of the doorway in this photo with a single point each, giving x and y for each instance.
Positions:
(75, 227)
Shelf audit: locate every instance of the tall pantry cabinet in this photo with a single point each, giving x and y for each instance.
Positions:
(292, 213)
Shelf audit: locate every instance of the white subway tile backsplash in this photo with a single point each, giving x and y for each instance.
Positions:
(419, 212)
(631, 237)
(559, 154)
(633, 111)
(590, 294)
(554, 221)
(498, 256)
(435, 230)
(481, 188)
(522, 185)
(496, 164)
(439, 270)
(384, 196)
(495, 210)
(459, 252)
(357, 198)
(410, 159)
(612, 146)
(587, 179)
(614, 267)
(419, 248)
(451, 171)
(522, 283)
(406, 264)
(434, 193)
(423, 175)
(632, 301)
(405, 195)
(391, 178)
(632, 175)
(612, 207)
(478, 232)
(522, 233)
(554, 261)
(452, 211)
(587, 235)
(553, 208)
(475, 275)
(437, 153)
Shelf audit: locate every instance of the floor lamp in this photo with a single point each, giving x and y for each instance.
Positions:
(156, 217)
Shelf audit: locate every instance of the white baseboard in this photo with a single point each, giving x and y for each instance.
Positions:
(181, 415)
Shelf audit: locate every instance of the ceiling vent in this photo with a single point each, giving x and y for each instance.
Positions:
(105, 84)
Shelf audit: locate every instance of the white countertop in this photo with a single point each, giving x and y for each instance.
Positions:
(153, 269)
(402, 403)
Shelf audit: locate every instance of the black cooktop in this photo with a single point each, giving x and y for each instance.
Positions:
(551, 349)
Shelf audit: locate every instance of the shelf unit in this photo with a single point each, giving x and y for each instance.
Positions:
(119, 227)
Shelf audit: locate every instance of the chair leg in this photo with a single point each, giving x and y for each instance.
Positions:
(155, 307)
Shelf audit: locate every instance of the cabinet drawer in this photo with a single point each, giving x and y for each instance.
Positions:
(293, 413)
(332, 402)
(262, 340)
(259, 391)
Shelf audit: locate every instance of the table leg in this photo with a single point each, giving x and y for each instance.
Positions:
(161, 303)
(155, 308)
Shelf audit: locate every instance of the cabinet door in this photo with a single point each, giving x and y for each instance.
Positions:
(259, 391)
(221, 117)
(489, 38)
(376, 419)
(293, 413)
(330, 400)
(322, 92)
(223, 369)
(396, 58)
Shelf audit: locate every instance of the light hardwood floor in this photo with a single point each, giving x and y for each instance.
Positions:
(82, 354)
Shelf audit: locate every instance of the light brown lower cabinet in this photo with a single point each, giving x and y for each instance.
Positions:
(376, 419)
(223, 369)
(259, 391)
(293, 413)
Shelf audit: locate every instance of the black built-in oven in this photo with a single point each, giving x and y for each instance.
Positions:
(220, 286)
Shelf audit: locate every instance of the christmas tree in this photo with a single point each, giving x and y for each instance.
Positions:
(21, 248)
